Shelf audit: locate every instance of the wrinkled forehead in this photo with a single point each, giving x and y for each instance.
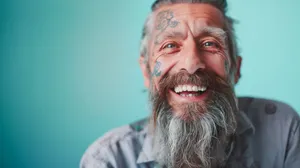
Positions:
(192, 14)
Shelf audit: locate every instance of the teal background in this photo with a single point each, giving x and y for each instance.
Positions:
(69, 70)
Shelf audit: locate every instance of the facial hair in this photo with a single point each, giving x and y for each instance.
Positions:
(199, 137)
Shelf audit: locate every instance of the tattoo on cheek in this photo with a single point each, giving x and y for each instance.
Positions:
(156, 71)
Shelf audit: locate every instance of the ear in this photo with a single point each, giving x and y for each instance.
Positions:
(237, 74)
(144, 68)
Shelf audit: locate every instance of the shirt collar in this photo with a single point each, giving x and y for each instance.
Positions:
(146, 153)
(243, 124)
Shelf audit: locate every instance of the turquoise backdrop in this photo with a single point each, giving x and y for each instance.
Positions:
(69, 70)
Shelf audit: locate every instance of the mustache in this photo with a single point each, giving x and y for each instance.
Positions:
(199, 78)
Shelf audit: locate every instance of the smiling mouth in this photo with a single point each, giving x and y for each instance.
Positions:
(189, 90)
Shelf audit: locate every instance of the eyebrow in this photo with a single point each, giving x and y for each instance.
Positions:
(216, 32)
(170, 35)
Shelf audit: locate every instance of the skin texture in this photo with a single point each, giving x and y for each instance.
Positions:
(180, 41)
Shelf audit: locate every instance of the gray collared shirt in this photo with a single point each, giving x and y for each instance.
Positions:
(268, 136)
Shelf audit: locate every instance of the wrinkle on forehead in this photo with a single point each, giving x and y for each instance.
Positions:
(194, 17)
(186, 11)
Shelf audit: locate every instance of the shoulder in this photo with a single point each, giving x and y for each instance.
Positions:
(255, 106)
(267, 112)
(114, 144)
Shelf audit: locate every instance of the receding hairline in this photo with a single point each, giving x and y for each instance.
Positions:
(168, 5)
(221, 5)
(191, 8)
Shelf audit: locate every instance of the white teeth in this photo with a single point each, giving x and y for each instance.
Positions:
(179, 88)
(189, 95)
(190, 88)
(184, 88)
(203, 89)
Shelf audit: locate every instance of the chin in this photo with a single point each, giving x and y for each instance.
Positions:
(189, 112)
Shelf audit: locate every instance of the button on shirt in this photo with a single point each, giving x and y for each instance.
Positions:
(268, 136)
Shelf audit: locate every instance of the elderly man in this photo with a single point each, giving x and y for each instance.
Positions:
(190, 64)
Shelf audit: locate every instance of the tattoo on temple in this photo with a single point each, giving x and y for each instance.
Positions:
(156, 71)
(164, 20)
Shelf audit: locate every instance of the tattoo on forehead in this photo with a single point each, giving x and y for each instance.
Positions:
(164, 20)
(156, 71)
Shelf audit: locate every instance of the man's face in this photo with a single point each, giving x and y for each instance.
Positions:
(186, 39)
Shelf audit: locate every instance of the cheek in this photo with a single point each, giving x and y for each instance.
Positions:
(161, 67)
(217, 63)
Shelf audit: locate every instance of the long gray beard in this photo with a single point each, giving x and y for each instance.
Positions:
(199, 142)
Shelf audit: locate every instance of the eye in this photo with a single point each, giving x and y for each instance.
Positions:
(170, 45)
(210, 44)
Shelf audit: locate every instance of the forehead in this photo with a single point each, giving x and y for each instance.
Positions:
(197, 13)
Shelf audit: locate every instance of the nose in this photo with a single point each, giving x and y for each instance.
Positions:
(192, 60)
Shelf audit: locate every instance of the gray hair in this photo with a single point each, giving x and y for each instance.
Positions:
(219, 4)
(201, 134)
